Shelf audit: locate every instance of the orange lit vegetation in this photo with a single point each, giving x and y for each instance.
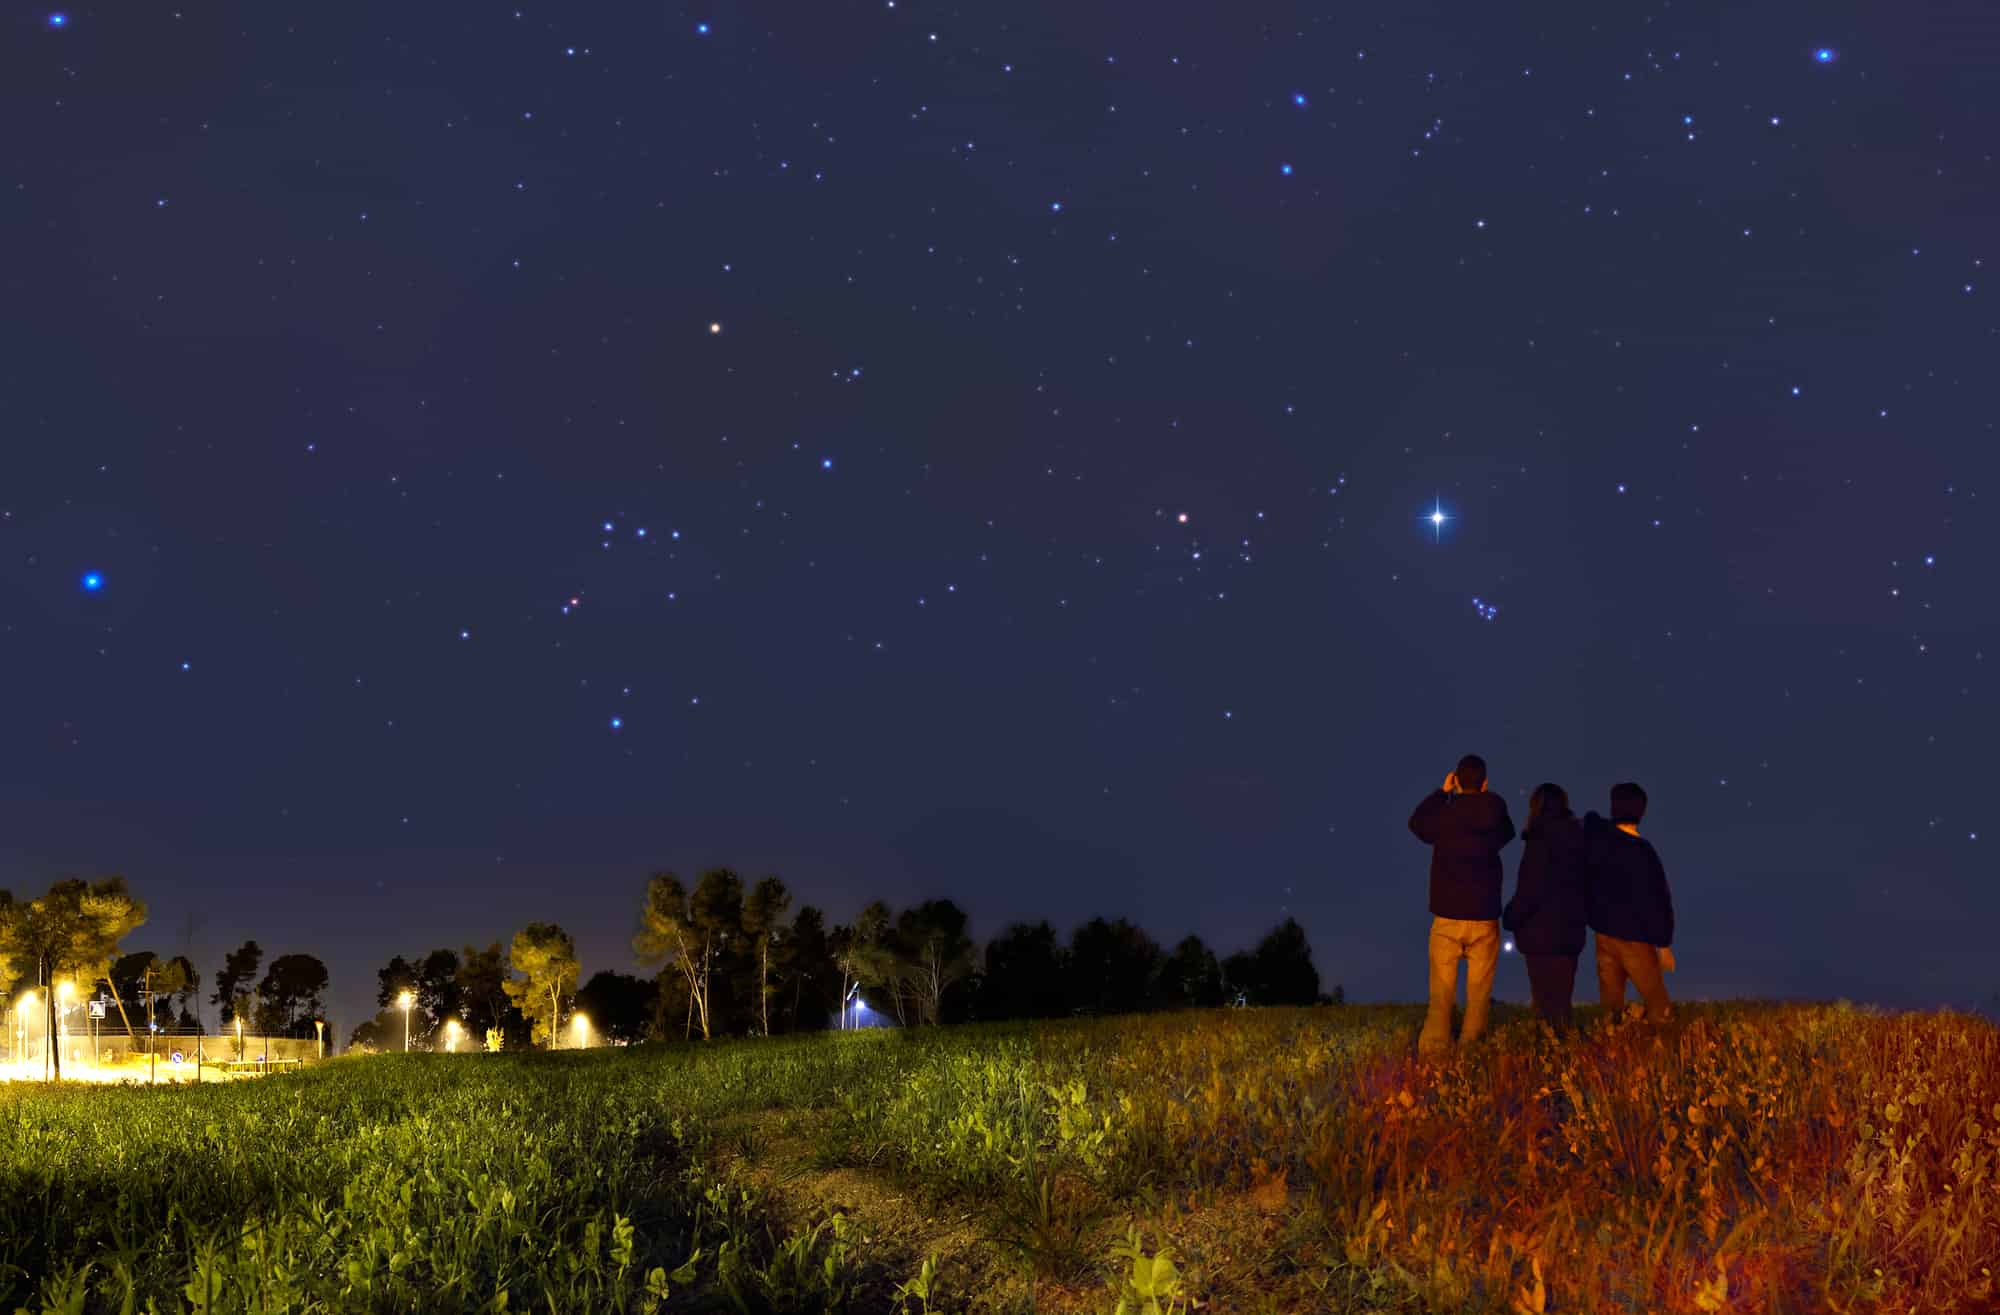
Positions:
(1744, 1158)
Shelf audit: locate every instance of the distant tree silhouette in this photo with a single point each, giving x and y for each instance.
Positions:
(763, 927)
(232, 984)
(693, 934)
(812, 986)
(619, 1006)
(1190, 977)
(1111, 967)
(1278, 972)
(936, 952)
(482, 994)
(1024, 973)
(292, 987)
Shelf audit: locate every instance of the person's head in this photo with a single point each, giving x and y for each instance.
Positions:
(1472, 773)
(1628, 802)
(1549, 799)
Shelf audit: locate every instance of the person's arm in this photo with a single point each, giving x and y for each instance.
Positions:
(1666, 895)
(1528, 893)
(1505, 831)
(1424, 822)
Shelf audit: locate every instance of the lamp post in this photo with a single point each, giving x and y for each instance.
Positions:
(582, 1024)
(239, 1036)
(406, 1000)
(319, 1032)
(451, 1037)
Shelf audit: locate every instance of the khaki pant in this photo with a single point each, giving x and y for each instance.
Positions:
(1635, 961)
(1452, 939)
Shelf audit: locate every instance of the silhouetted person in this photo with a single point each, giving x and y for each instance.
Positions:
(1550, 910)
(1631, 909)
(1466, 828)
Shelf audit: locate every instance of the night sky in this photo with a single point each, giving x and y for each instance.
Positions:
(457, 459)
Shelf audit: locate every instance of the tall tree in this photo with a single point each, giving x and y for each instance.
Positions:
(292, 986)
(764, 910)
(620, 1006)
(545, 956)
(437, 989)
(482, 987)
(1111, 966)
(189, 990)
(392, 979)
(933, 944)
(1284, 966)
(239, 969)
(72, 932)
(812, 970)
(1190, 977)
(1025, 970)
(692, 932)
(877, 958)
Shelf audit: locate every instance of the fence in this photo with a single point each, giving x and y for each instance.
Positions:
(108, 1047)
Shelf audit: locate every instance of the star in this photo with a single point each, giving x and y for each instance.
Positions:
(701, 29)
(714, 327)
(1437, 518)
(617, 723)
(92, 582)
(1285, 169)
(1299, 99)
(58, 20)
(1825, 55)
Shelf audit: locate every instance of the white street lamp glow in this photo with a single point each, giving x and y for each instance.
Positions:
(406, 1000)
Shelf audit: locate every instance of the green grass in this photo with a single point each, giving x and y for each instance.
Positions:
(1747, 1158)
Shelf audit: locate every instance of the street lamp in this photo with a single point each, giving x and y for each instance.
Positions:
(406, 1000)
(451, 1037)
(239, 1035)
(582, 1031)
(319, 1032)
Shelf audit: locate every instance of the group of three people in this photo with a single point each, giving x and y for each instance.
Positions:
(1595, 874)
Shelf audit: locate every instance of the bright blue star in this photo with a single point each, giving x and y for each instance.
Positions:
(1285, 169)
(617, 723)
(1299, 99)
(1055, 207)
(826, 463)
(92, 582)
(1437, 518)
(701, 29)
(58, 20)
(1825, 55)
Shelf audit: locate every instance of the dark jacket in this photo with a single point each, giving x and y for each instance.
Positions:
(1466, 833)
(1629, 898)
(1550, 909)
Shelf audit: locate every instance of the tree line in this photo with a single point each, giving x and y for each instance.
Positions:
(727, 959)
(737, 959)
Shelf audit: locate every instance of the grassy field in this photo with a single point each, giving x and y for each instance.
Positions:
(1746, 1158)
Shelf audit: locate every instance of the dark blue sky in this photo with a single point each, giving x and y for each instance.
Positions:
(336, 336)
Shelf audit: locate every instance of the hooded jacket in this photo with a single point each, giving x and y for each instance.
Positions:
(1551, 906)
(1629, 898)
(1466, 833)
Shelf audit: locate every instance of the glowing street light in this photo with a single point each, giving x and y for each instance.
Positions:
(451, 1036)
(64, 990)
(319, 1032)
(406, 1000)
(239, 1036)
(582, 1025)
(22, 1008)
